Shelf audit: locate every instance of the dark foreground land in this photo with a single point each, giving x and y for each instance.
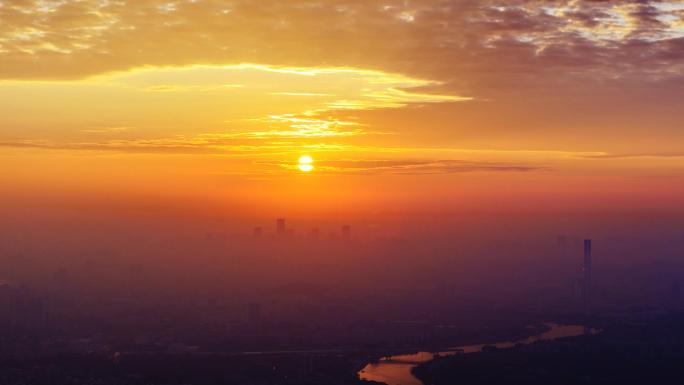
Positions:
(644, 352)
(180, 369)
(336, 366)
(648, 351)
(30, 360)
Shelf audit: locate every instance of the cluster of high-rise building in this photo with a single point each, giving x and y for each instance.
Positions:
(282, 231)
(21, 310)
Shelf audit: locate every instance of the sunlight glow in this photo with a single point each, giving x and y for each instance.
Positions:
(305, 163)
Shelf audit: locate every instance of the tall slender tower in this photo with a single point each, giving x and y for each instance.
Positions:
(586, 281)
(280, 226)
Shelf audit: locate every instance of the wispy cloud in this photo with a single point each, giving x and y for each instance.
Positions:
(300, 94)
(190, 88)
(430, 37)
(179, 145)
(608, 155)
(302, 126)
(322, 107)
(106, 130)
(414, 167)
(347, 89)
(206, 144)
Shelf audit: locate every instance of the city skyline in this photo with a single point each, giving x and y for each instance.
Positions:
(341, 192)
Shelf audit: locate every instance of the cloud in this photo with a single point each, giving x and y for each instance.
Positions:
(188, 88)
(512, 53)
(302, 126)
(300, 93)
(332, 95)
(106, 130)
(207, 144)
(463, 42)
(178, 145)
(416, 167)
(671, 154)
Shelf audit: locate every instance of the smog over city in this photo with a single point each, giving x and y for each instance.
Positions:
(341, 192)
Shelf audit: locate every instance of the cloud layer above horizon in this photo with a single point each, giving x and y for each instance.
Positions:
(443, 39)
(396, 87)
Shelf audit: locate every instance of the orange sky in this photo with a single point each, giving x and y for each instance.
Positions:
(430, 104)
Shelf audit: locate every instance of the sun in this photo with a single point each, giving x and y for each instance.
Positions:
(305, 163)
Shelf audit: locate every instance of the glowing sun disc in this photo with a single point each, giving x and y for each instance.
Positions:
(305, 159)
(305, 163)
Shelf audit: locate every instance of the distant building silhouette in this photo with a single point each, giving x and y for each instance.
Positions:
(258, 232)
(586, 280)
(575, 241)
(7, 308)
(254, 313)
(577, 289)
(21, 311)
(675, 293)
(346, 232)
(280, 226)
(562, 244)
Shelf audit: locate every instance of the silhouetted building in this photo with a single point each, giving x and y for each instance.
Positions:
(577, 289)
(254, 313)
(346, 232)
(7, 308)
(33, 314)
(586, 280)
(575, 242)
(675, 293)
(280, 226)
(562, 244)
(258, 232)
(561, 240)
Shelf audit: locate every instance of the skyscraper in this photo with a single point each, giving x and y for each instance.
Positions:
(254, 313)
(280, 226)
(258, 231)
(586, 281)
(346, 232)
(562, 244)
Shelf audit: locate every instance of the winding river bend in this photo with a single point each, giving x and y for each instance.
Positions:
(396, 370)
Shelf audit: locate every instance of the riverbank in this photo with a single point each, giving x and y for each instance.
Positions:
(626, 352)
(397, 369)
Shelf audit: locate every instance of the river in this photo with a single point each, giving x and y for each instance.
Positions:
(396, 370)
